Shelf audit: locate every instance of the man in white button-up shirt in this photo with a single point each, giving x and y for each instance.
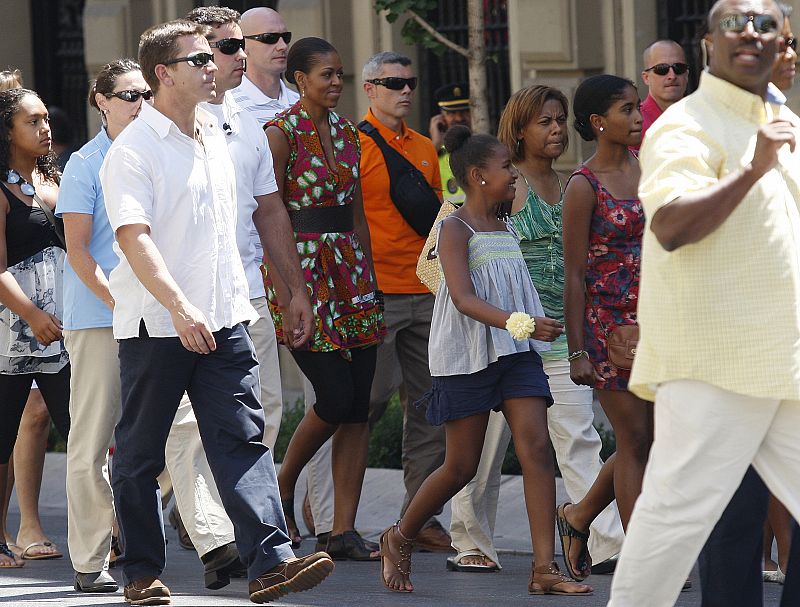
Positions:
(182, 302)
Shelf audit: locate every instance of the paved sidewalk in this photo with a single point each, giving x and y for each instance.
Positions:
(50, 582)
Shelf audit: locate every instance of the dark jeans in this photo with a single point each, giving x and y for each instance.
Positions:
(731, 561)
(14, 391)
(223, 387)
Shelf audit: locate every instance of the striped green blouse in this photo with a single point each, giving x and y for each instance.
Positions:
(539, 226)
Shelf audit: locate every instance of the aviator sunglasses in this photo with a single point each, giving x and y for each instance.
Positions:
(196, 60)
(228, 46)
(272, 37)
(662, 69)
(762, 24)
(130, 96)
(394, 83)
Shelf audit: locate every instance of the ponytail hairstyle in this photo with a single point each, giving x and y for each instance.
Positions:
(468, 150)
(106, 80)
(596, 95)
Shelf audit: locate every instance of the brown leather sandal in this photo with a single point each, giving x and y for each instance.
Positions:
(547, 579)
(405, 548)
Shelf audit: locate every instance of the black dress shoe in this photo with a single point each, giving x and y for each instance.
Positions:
(221, 564)
(605, 567)
(95, 582)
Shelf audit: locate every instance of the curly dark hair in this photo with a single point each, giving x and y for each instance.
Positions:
(10, 100)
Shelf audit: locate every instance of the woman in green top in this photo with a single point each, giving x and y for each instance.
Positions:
(534, 128)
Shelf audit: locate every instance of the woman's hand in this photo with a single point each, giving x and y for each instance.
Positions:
(46, 327)
(581, 372)
(547, 329)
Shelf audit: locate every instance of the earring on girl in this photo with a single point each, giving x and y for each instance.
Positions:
(483, 182)
(601, 129)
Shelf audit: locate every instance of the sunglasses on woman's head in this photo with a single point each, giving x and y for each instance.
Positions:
(394, 83)
(196, 60)
(130, 96)
(271, 37)
(228, 46)
(662, 69)
(762, 24)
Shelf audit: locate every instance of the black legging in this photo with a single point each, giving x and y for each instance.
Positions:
(14, 391)
(342, 387)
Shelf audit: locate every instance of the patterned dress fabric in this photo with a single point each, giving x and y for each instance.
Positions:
(612, 276)
(335, 268)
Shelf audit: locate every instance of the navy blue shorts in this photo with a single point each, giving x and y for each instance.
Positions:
(518, 375)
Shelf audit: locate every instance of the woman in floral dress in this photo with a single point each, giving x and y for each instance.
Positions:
(603, 225)
(316, 155)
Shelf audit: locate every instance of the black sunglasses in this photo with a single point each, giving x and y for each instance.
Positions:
(130, 96)
(762, 24)
(789, 43)
(662, 69)
(196, 60)
(228, 46)
(271, 37)
(394, 83)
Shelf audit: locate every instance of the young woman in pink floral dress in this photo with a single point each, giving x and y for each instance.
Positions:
(316, 155)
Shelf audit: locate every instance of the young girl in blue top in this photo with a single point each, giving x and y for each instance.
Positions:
(487, 325)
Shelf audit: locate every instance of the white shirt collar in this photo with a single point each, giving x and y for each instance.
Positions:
(161, 124)
(249, 88)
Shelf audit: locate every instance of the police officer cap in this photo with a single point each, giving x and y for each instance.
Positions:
(453, 97)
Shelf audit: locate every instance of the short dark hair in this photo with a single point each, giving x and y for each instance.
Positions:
(303, 54)
(595, 95)
(468, 149)
(106, 78)
(213, 16)
(159, 44)
(10, 100)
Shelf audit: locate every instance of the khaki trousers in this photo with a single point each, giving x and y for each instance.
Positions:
(94, 410)
(262, 332)
(705, 438)
(577, 446)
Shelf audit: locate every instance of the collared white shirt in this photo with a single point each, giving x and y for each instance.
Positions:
(263, 107)
(184, 190)
(255, 176)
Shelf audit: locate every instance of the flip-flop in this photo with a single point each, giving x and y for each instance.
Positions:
(566, 533)
(6, 551)
(454, 563)
(40, 557)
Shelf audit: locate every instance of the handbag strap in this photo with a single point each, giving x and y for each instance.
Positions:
(48, 212)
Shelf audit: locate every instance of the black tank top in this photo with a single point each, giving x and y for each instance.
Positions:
(27, 229)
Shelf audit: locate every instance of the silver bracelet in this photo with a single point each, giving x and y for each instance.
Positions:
(577, 355)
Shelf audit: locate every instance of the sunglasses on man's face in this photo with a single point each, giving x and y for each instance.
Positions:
(228, 46)
(130, 96)
(272, 37)
(762, 24)
(196, 60)
(394, 83)
(662, 69)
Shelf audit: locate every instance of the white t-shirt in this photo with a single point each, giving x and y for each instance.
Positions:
(185, 192)
(252, 160)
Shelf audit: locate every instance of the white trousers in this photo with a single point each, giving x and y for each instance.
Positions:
(94, 411)
(577, 445)
(262, 332)
(705, 438)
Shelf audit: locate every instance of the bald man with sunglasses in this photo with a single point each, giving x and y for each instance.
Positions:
(666, 75)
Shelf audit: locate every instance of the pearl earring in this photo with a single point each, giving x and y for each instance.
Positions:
(483, 182)
(601, 129)
(302, 93)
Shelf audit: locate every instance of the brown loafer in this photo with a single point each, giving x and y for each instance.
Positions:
(433, 538)
(292, 575)
(147, 591)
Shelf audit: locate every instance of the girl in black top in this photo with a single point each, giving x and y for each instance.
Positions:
(31, 263)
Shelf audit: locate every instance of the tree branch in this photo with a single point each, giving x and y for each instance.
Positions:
(437, 36)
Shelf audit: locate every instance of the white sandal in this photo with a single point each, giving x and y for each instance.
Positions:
(454, 563)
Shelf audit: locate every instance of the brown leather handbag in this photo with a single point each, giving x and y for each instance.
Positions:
(622, 343)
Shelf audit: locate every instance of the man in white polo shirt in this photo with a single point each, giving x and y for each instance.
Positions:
(182, 303)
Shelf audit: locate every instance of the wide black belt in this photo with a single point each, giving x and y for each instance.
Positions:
(319, 220)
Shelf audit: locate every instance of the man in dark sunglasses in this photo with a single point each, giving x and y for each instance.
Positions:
(666, 75)
(263, 91)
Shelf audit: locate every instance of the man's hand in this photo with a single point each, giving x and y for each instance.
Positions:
(298, 322)
(436, 128)
(547, 329)
(192, 329)
(46, 327)
(771, 138)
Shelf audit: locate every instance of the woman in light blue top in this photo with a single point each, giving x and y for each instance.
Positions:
(477, 366)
